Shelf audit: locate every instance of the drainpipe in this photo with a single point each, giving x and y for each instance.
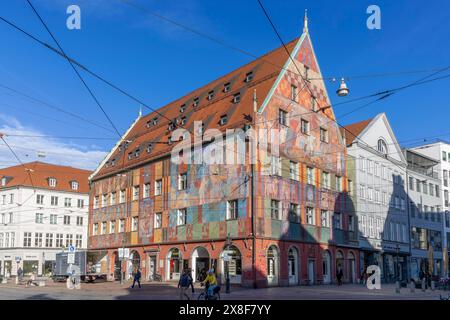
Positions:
(253, 226)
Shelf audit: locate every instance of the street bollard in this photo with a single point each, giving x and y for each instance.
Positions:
(17, 279)
(432, 285)
(397, 286)
(423, 284)
(412, 286)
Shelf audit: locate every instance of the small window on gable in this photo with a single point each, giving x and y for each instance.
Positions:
(249, 77)
(313, 103)
(149, 124)
(74, 185)
(155, 121)
(223, 119)
(130, 155)
(237, 97)
(52, 182)
(196, 102)
(183, 121)
(113, 162)
(211, 95)
(171, 126)
(306, 73)
(183, 108)
(227, 87)
(149, 148)
(137, 153)
(382, 146)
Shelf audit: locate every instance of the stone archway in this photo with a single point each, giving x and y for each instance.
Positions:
(200, 262)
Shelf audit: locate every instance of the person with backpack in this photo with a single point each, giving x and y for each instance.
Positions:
(137, 278)
(184, 283)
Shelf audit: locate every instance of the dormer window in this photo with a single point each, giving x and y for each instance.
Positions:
(183, 121)
(249, 77)
(169, 140)
(223, 120)
(149, 148)
(149, 123)
(137, 153)
(183, 108)
(52, 182)
(155, 121)
(227, 87)
(196, 102)
(113, 162)
(130, 155)
(74, 185)
(3, 181)
(211, 95)
(237, 97)
(171, 126)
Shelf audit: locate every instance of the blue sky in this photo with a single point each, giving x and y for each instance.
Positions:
(159, 62)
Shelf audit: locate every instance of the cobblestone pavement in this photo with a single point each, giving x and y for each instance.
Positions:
(168, 291)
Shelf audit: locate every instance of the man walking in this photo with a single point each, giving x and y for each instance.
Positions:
(137, 278)
(184, 283)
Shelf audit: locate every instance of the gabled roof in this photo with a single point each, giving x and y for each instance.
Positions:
(352, 131)
(265, 71)
(41, 172)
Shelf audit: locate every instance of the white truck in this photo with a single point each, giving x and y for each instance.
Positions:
(84, 261)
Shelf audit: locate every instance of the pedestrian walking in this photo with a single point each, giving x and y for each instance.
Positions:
(137, 278)
(184, 283)
(339, 275)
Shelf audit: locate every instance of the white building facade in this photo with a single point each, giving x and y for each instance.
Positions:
(441, 151)
(43, 209)
(381, 197)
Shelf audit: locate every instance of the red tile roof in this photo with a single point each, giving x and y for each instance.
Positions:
(265, 71)
(351, 131)
(41, 172)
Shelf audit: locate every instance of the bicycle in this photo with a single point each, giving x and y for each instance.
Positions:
(156, 277)
(205, 296)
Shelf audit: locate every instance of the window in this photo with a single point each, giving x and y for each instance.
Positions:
(326, 182)
(444, 156)
(79, 221)
(337, 220)
(445, 178)
(112, 198)
(313, 103)
(96, 202)
(227, 87)
(52, 182)
(310, 218)
(27, 239)
(362, 163)
(53, 219)
(369, 166)
(74, 185)
(78, 241)
(325, 218)
(112, 226)
(181, 217)
(351, 223)
(134, 223)
(103, 228)
(211, 95)
(223, 120)
(38, 239)
(418, 185)
(158, 220)
(446, 198)
(249, 77)
(196, 102)
(304, 126)
(39, 218)
(425, 187)
(67, 220)
(49, 240)
(122, 225)
(59, 240)
(135, 192)
(411, 183)
(382, 146)
(69, 240)
(232, 209)
(67, 202)
(293, 93)
(338, 184)
(310, 175)
(80, 203)
(158, 187)
(146, 190)
(122, 196)
(294, 170)
(40, 199)
(149, 148)
(369, 194)
(11, 198)
(137, 153)
(282, 117)
(275, 166)
(294, 212)
(436, 191)
(237, 97)
(182, 181)
(362, 191)
(350, 187)
(323, 135)
(275, 209)
(431, 189)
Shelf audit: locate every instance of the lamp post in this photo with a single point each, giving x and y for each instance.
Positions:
(227, 271)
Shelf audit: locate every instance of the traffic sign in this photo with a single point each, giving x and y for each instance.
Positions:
(72, 249)
(18, 259)
(71, 258)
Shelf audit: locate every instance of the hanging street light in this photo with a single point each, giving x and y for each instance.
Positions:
(343, 90)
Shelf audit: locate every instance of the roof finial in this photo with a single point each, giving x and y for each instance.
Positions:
(305, 22)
